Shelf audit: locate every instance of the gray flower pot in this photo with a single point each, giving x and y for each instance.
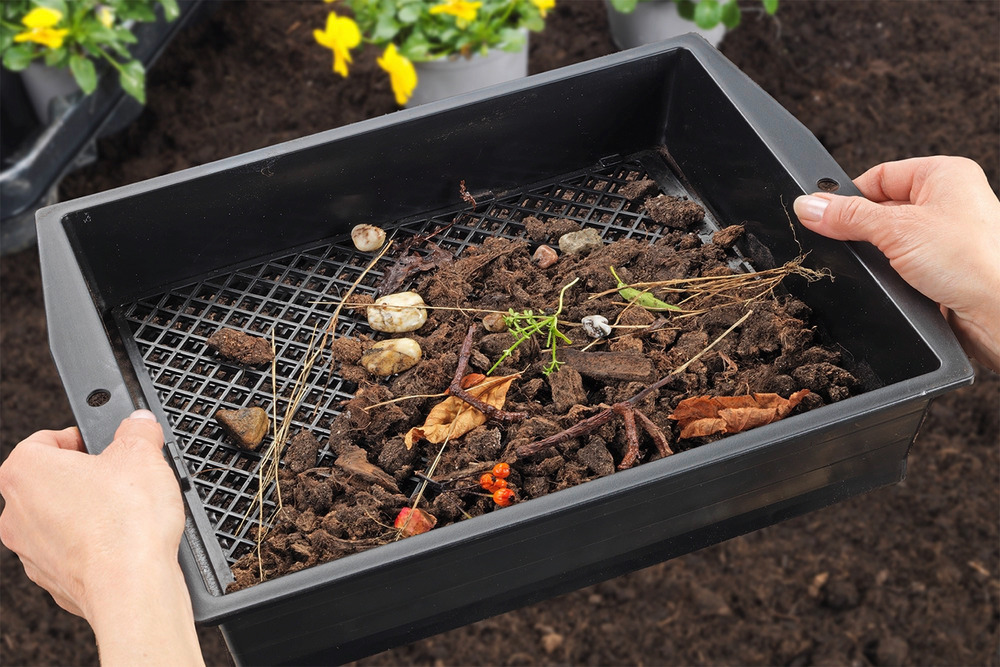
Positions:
(653, 21)
(438, 79)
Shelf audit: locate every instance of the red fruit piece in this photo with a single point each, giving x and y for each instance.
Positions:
(487, 482)
(503, 497)
(413, 522)
(501, 470)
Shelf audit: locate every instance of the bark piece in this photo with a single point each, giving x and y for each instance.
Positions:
(675, 212)
(624, 366)
(355, 463)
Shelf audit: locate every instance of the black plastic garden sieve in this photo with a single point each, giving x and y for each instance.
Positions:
(137, 278)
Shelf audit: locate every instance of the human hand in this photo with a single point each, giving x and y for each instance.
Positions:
(938, 222)
(101, 533)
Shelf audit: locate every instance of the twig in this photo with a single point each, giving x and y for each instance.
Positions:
(628, 412)
(456, 385)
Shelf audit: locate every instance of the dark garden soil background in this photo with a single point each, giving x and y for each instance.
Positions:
(907, 574)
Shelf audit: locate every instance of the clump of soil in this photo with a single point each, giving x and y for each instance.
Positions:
(240, 347)
(351, 505)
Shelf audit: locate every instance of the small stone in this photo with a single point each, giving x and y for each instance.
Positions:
(368, 238)
(545, 257)
(596, 326)
(240, 347)
(247, 426)
(891, 650)
(552, 641)
(389, 357)
(494, 323)
(397, 313)
(579, 243)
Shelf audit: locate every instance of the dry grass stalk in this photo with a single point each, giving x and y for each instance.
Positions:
(721, 290)
(270, 463)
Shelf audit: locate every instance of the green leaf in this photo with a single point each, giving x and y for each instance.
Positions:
(416, 47)
(408, 14)
(16, 58)
(770, 6)
(55, 57)
(133, 80)
(137, 12)
(125, 35)
(511, 39)
(685, 9)
(170, 9)
(624, 6)
(731, 14)
(707, 14)
(385, 29)
(533, 23)
(84, 73)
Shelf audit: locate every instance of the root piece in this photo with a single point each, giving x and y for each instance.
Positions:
(628, 412)
(456, 386)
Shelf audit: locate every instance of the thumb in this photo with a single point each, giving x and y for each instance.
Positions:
(140, 430)
(845, 218)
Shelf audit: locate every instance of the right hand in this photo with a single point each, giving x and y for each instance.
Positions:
(938, 222)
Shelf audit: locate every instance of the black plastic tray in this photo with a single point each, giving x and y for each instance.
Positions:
(136, 278)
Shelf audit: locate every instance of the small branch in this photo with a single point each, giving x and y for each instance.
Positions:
(629, 414)
(456, 385)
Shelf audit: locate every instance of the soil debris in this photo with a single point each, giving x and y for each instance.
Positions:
(241, 347)
(640, 189)
(675, 212)
(551, 229)
(355, 463)
(728, 236)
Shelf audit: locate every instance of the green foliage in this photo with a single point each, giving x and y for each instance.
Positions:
(421, 34)
(641, 298)
(526, 324)
(706, 14)
(77, 34)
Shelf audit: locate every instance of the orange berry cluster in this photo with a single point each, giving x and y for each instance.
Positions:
(496, 483)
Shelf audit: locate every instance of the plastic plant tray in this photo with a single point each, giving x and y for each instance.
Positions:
(137, 278)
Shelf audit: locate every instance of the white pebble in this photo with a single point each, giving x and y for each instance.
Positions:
(368, 238)
(596, 326)
(388, 357)
(397, 313)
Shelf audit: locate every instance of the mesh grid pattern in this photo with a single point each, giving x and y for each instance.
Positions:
(281, 294)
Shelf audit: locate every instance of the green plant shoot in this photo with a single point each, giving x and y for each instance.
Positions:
(644, 299)
(525, 324)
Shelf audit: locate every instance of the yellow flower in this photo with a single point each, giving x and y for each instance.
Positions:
(401, 73)
(39, 22)
(463, 11)
(105, 16)
(543, 6)
(341, 35)
(42, 17)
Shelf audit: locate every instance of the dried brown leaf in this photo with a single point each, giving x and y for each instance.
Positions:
(456, 417)
(707, 415)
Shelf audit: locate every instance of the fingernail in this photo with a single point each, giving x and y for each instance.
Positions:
(810, 208)
(143, 414)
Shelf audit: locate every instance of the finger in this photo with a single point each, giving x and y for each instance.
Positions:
(846, 218)
(892, 181)
(68, 438)
(141, 428)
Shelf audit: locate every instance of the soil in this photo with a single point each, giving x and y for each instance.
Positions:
(346, 509)
(909, 574)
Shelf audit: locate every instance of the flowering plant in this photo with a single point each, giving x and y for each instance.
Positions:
(705, 13)
(75, 33)
(420, 30)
